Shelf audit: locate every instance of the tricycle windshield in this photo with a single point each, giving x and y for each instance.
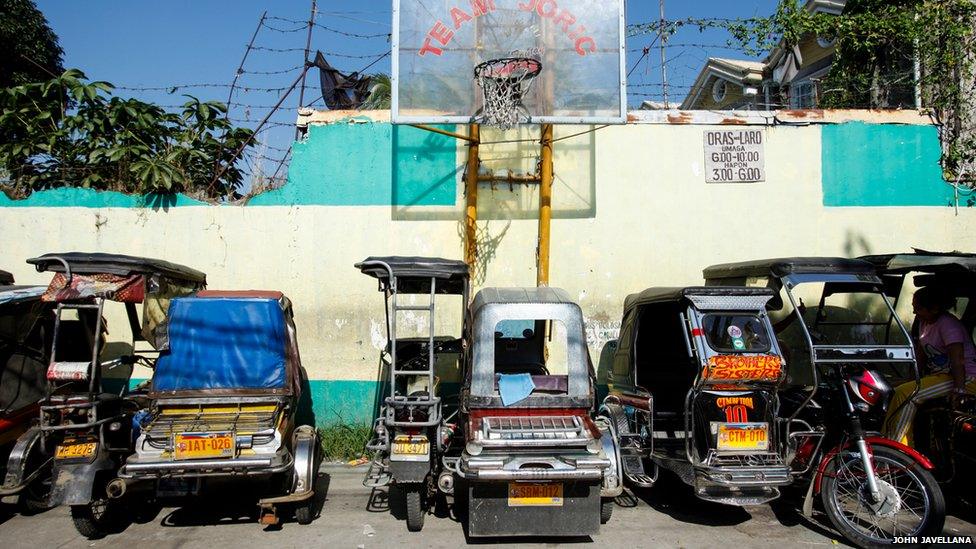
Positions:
(735, 333)
(537, 347)
(839, 313)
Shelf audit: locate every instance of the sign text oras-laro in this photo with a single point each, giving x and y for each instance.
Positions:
(735, 156)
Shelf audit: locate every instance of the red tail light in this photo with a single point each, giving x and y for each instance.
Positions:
(868, 387)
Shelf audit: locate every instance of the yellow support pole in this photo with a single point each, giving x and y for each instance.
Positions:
(471, 199)
(545, 208)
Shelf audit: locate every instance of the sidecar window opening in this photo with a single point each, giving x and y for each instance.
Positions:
(660, 356)
(848, 313)
(735, 333)
(538, 347)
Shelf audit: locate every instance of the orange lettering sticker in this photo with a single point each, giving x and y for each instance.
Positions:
(734, 368)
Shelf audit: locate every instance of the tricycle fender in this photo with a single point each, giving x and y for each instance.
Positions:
(73, 483)
(409, 472)
(18, 476)
(612, 481)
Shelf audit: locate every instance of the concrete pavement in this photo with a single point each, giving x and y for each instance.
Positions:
(667, 516)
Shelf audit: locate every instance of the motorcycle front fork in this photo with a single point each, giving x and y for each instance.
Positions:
(857, 435)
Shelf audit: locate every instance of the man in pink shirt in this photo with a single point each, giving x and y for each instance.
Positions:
(946, 347)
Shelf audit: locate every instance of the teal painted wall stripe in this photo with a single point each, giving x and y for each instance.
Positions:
(87, 198)
(371, 164)
(351, 164)
(882, 165)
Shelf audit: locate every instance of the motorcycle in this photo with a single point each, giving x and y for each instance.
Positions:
(872, 489)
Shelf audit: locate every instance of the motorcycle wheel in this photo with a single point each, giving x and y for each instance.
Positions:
(606, 510)
(912, 503)
(415, 507)
(95, 520)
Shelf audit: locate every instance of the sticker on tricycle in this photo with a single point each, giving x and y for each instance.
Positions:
(203, 445)
(411, 446)
(738, 368)
(535, 494)
(75, 450)
(743, 436)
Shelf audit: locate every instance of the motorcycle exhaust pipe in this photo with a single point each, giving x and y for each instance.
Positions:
(116, 488)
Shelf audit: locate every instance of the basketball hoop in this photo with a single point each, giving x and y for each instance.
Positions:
(504, 82)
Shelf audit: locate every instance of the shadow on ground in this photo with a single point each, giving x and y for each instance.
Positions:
(232, 504)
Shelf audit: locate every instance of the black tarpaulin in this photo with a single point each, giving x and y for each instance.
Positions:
(341, 91)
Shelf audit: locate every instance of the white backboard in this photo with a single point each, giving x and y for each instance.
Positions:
(580, 43)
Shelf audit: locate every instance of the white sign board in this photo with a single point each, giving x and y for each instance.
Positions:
(735, 156)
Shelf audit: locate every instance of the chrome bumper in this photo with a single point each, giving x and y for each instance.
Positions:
(138, 470)
(527, 468)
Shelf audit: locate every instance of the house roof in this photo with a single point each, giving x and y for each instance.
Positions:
(741, 72)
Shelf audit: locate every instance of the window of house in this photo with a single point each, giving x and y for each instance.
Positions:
(803, 95)
(719, 90)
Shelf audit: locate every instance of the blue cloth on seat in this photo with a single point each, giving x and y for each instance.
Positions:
(223, 343)
(514, 387)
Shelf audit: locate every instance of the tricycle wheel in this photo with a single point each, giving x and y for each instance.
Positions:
(415, 507)
(606, 510)
(305, 511)
(95, 520)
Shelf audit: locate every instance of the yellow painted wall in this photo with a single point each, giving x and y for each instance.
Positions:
(631, 210)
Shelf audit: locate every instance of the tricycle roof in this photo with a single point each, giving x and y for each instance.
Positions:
(782, 267)
(923, 261)
(508, 296)
(122, 265)
(699, 294)
(6, 279)
(16, 294)
(413, 273)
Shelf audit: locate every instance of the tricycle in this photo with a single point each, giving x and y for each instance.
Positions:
(944, 430)
(413, 431)
(222, 406)
(534, 461)
(26, 324)
(694, 390)
(86, 425)
(841, 349)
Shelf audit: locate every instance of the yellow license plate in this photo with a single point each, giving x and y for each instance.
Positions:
(743, 436)
(203, 445)
(522, 494)
(411, 446)
(75, 451)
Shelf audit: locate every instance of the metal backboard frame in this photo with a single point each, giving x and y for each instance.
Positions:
(560, 17)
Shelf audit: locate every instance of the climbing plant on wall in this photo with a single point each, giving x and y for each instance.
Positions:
(71, 132)
(876, 45)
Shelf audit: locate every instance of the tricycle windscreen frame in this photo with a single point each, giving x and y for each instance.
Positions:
(483, 356)
(850, 353)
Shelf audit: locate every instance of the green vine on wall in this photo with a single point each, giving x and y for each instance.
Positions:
(876, 46)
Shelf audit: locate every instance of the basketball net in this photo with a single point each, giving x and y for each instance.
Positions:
(504, 82)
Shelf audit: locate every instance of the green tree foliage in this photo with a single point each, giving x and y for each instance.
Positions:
(71, 132)
(379, 93)
(30, 48)
(876, 44)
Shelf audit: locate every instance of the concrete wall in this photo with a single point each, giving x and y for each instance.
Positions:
(631, 210)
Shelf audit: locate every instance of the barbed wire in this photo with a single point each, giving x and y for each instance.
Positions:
(330, 29)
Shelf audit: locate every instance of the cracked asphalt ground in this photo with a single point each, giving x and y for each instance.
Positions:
(666, 516)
